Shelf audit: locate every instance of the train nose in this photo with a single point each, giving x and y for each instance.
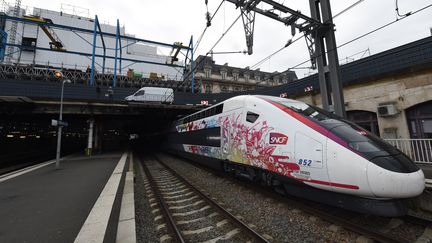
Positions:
(386, 183)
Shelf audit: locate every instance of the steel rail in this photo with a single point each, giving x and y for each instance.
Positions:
(252, 233)
(414, 219)
(327, 216)
(171, 222)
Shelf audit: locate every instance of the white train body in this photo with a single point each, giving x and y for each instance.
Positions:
(301, 143)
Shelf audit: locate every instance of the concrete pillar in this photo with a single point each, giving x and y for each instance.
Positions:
(90, 138)
(98, 136)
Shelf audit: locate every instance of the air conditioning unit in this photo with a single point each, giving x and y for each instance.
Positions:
(387, 110)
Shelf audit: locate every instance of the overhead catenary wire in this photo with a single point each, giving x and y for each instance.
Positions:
(347, 8)
(217, 42)
(398, 15)
(276, 52)
(367, 33)
(262, 61)
(223, 34)
(205, 29)
(282, 48)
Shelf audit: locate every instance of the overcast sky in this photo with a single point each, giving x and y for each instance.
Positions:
(176, 20)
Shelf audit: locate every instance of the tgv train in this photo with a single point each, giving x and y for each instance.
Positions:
(303, 149)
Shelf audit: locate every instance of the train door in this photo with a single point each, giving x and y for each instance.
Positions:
(232, 136)
(309, 155)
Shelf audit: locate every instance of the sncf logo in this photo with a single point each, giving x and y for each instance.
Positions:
(278, 138)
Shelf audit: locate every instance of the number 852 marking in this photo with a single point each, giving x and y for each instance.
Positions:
(305, 162)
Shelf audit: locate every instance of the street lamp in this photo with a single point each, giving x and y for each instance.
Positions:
(60, 121)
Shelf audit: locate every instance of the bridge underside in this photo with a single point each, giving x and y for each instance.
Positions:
(25, 123)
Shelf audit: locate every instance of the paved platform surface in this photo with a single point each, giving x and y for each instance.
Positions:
(48, 205)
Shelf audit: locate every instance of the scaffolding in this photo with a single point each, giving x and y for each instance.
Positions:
(75, 10)
(13, 31)
(98, 33)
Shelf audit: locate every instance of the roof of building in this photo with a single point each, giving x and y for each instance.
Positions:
(206, 61)
(407, 58)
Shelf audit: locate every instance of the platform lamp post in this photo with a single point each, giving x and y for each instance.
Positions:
(60, 122)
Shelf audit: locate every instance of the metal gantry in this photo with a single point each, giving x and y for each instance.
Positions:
(319, 34)
(248, 18)
(327, 58)
(190, 71)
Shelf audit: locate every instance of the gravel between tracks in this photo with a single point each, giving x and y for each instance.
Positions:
(277, 220)
(145, 224)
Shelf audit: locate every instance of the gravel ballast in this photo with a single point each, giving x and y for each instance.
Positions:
(278, 221)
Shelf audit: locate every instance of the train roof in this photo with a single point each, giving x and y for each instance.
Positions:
(277, 99)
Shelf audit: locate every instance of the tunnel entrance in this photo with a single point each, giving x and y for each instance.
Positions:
(31, 138)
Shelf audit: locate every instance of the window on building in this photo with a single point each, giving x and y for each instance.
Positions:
(208, 88)
(246, 76)
(224, 88)
(420, 120)
(224, 74)
(366, 119)
(28, 42)
(207, 72)
(257, 78)
(235, 76)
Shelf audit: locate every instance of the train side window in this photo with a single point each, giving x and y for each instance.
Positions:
(251, 117)
(219, 109)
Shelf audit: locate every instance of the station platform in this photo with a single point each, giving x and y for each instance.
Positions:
(80, 202)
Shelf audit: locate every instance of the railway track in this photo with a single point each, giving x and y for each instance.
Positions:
(309, 207)
(191, 215)
(414, 219)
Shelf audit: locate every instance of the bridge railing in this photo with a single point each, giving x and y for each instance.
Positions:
(419, 150)
(46, 73)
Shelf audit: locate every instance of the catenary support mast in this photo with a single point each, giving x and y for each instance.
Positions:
(319, 35)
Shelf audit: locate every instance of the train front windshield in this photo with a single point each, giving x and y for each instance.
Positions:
(356, 137)
(370, 146)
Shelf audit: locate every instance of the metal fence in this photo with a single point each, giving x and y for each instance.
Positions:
(29, 72)
(419, 150)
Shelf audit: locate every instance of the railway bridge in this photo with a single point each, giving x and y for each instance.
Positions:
(397, 79)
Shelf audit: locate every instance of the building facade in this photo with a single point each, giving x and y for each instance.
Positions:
(393, 107)
(214, 78)
(29, 35)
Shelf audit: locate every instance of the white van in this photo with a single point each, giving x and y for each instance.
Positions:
(153, 94)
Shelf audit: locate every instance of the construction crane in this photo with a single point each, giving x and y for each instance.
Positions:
(55, 42)
(174, 52)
